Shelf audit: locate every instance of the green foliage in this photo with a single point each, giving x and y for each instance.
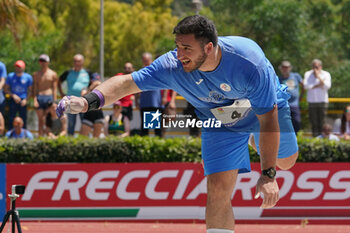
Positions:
(286, 29)
(144, 149)
(298, 31)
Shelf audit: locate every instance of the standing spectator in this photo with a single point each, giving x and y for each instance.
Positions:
(18, 131)
(77, 79)
(18, 85)
(341, 126)
(127, 101)
(190, 111)
(93, 120)
(168, 101)
(317, 82)
(3, 75)
(292, 80)
(44, 90)
(326, 133)
(117, 123)
(149, 101)
(55, 126)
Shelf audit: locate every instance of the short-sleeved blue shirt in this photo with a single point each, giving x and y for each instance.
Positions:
(292, 82)
(24, 134)
(3, 72)
(243, 73)
(19, 85)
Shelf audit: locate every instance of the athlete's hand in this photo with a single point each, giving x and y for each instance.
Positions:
(269, 188)
(72, 105)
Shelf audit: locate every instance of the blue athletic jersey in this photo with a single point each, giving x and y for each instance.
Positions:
(292, 82)
(19, 85)
(3, 72)
(243, 73)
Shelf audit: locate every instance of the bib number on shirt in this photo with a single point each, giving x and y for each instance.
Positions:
(230, 115)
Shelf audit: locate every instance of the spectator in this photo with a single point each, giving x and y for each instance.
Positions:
(18, 131)
(190, 110)
(93, 120)
(2, 125)
(3, 75)
(18, 85)
(317, 83)
(292, 80)
(326, 133)
(117, 123)
(127, 101)
(44, 90)
(341, 126)
(55, 126)
(168, 101)
(77, 79)
(149, 101)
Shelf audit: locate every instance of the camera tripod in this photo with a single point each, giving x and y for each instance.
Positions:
(14, 215)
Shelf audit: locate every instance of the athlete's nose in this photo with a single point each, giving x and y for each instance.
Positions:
(179, 54)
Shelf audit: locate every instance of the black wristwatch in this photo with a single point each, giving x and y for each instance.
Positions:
(271, 172)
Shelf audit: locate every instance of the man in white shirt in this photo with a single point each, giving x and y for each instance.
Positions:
(317, 82)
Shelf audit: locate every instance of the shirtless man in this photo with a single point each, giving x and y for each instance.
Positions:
(44, 91)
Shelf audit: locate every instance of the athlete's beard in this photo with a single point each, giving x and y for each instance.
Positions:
(198, 62)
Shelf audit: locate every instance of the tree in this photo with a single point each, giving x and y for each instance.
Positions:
(14, 14)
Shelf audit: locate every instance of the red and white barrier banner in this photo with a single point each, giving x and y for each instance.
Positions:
(173, 191)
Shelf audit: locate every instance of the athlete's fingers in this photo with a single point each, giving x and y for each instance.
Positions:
(257, 191)
(62, 106)
(270, 199)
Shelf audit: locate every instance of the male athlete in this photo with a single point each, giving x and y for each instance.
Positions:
(228, 78)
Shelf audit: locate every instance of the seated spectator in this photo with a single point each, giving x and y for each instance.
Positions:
(326, 133)
(341, 126)
(55, 126)
(18, 131)
(2, 125)
(117, 123)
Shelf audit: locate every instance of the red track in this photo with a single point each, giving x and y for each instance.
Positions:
(121, 227)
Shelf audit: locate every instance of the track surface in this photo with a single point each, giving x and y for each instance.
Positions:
(119, 227)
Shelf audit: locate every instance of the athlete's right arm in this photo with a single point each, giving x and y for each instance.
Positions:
(112, 90)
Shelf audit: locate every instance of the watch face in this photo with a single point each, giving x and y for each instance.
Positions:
(271, 172)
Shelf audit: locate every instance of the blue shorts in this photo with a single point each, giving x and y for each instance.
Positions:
(44, 101)
(224, 150)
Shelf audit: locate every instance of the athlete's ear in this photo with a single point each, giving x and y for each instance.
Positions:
(208, 48)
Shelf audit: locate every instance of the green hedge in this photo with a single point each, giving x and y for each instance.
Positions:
(144, 149)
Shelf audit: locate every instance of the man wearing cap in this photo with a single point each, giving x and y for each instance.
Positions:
(18, 85)
(292, 80)
(44, 90)
(3, 75)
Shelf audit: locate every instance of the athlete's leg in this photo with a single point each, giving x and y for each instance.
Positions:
(284, 163)
(219, 214)
(288, 162)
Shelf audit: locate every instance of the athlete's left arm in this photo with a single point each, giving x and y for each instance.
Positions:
(268, 145)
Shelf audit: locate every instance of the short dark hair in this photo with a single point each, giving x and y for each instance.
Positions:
(202, 28)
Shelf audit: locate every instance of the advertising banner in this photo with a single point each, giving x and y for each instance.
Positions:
(173, 191)
(2, 189)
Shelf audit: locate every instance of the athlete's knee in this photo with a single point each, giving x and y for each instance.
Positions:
(220, 186)
(287, 163)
